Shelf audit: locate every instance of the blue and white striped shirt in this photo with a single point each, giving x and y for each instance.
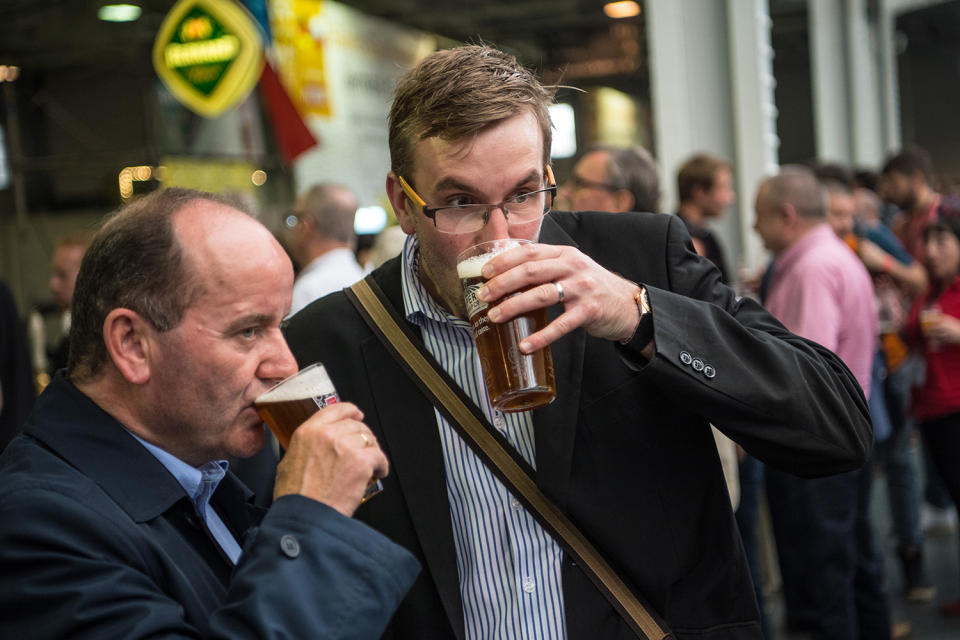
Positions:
(509, 566)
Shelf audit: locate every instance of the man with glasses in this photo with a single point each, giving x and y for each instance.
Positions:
(613, 179)
(648, 348)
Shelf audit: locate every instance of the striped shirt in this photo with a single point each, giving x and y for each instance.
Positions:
(509, 567)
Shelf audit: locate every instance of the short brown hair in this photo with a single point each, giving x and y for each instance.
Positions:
(911, 160)
(699, 171)
(633, 169)
(134, 262)
(455, 93)
(332, 208)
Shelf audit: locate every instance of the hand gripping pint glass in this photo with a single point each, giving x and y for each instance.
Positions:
(289, 403)
(515, 381)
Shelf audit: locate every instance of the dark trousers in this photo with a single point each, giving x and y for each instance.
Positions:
(751, 490)
(832, 575)
(941, 439)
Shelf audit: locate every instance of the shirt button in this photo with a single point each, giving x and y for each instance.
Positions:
(289, 546)
(685, 357)
(697, 365)
(499, 421)
(514, 504)
(528, 585)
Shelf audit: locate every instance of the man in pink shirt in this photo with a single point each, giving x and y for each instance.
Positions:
(820, 290)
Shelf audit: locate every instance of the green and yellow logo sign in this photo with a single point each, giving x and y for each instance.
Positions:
(209, 54)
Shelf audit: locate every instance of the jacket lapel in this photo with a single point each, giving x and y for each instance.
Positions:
(413, 445)
(555, 424)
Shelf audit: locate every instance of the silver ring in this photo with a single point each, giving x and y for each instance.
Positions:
(559, 291)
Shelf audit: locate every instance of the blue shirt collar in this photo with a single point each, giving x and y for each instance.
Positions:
(199, 483)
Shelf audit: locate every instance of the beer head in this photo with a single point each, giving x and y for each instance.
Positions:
(470, 262)
(311, 382)
(472, 266)
(287, 405)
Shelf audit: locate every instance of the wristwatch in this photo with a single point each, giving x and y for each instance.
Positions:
(644, 333)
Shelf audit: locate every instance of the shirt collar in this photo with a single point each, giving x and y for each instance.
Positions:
(418, 305)
(811, 238)
(199, 483)
(331, 259)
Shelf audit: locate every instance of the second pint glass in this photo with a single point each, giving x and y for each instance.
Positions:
(515, 381)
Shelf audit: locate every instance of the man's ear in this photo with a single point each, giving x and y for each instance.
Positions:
(624, 200)
(129, 341)
(402, 207)
(789, 214)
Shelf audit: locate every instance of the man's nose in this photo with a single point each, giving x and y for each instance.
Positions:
(279, 363)
(497, 227)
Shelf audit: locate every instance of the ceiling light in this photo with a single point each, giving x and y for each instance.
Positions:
(624, 9)
(119, 12)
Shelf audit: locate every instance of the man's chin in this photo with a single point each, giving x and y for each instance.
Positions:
(251, 441)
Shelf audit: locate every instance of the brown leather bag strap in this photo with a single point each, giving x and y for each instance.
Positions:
(516, 475)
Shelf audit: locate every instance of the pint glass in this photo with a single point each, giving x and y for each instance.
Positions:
(515, 381)
(289, 403)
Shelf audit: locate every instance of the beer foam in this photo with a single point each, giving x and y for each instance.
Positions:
(472, 266)
(314, 381)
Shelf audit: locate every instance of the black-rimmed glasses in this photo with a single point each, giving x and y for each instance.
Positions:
(521, 208)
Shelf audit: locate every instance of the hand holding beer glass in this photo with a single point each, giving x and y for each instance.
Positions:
(515, 381)
(293, 401)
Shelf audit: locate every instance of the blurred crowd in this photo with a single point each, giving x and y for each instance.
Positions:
(863, 261)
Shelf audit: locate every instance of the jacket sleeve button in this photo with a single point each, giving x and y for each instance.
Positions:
(709, 371)
(685, 357)
(697, 365)
(289, 546)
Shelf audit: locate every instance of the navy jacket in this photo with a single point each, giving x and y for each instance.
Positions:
(626, 449)
(98, 540)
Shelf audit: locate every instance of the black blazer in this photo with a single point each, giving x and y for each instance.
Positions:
(625, 450)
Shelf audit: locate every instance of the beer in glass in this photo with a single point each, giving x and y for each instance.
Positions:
(289, 403)
(515, 381)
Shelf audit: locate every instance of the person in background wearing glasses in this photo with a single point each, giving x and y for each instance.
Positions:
(321, 238)
(613, 179)
(648, 347)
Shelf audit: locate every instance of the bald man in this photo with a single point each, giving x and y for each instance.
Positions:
(118, 514)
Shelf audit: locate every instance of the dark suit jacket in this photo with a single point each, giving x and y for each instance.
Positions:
(625, 450)
(98, 540)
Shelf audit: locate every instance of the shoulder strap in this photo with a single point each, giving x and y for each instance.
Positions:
(501, 458)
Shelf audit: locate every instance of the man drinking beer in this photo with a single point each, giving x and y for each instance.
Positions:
(118, 517)
(648, 348)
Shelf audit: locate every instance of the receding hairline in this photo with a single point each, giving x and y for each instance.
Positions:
(795, 185)
(199, 230)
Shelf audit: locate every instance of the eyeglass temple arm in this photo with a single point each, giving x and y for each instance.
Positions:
(407, 189)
